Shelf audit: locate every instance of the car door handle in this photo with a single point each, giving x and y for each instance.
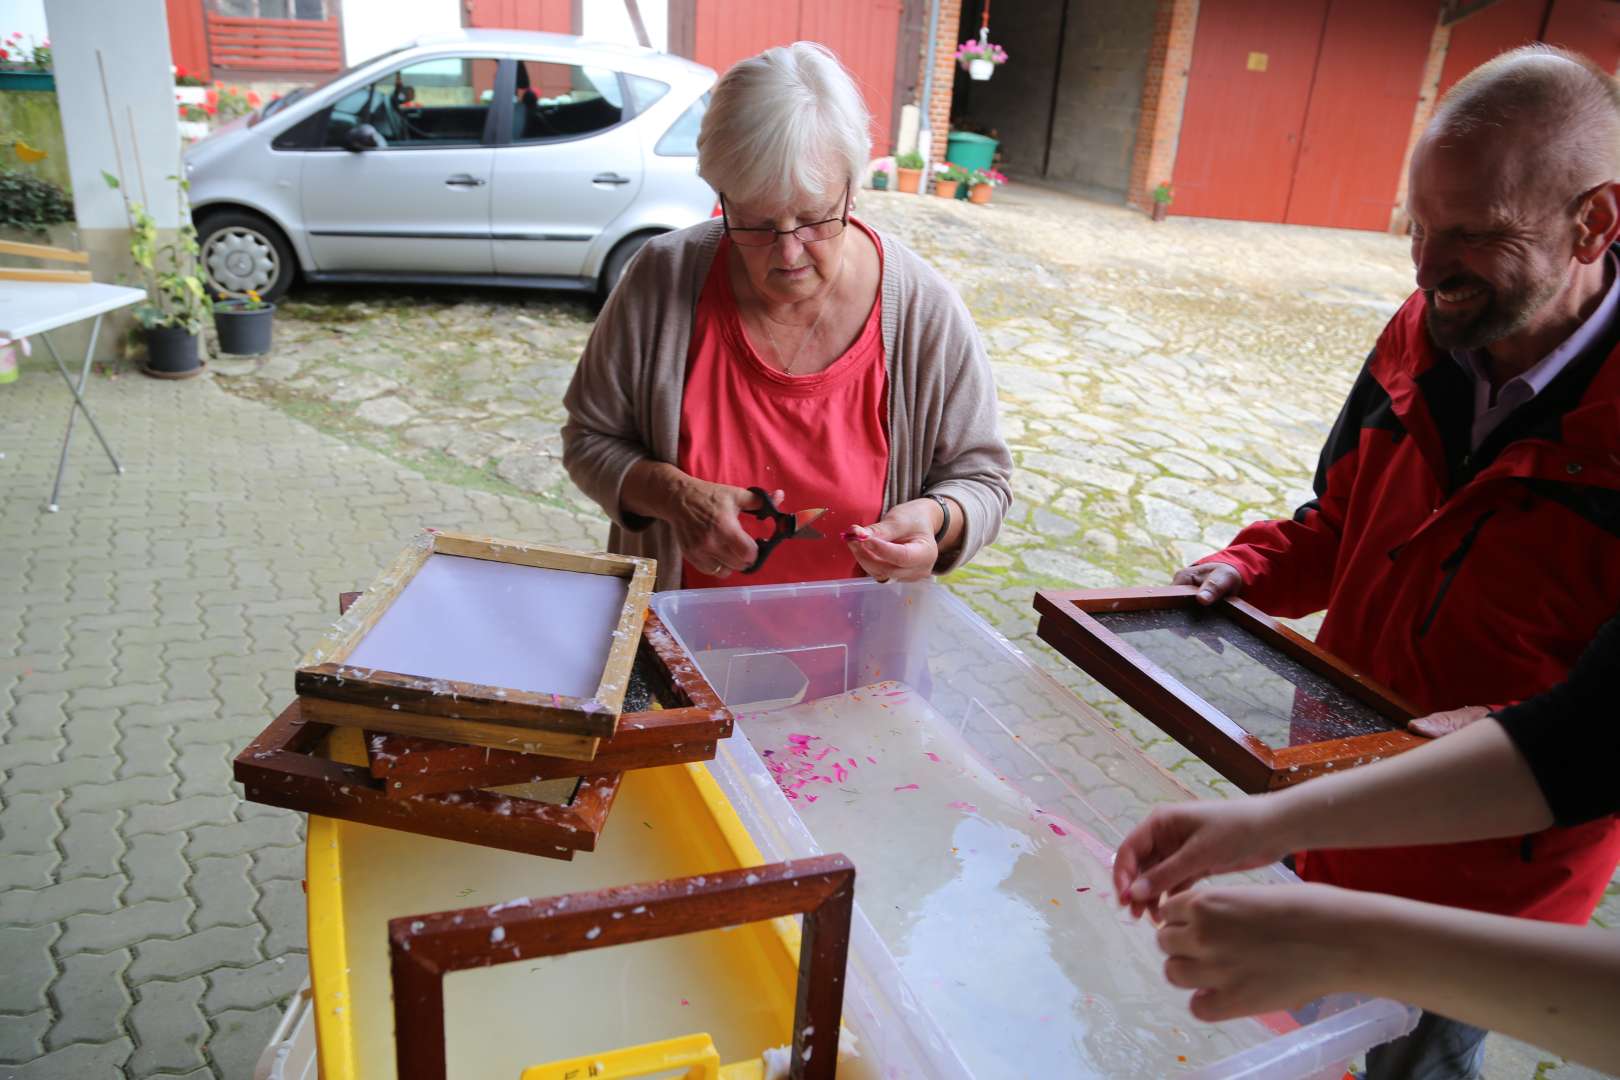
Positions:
(465, 180)
(610, 178)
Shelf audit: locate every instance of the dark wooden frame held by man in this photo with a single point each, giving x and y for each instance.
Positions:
(1067, 624)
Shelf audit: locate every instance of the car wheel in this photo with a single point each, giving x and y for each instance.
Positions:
(617, 260)
(242, 251)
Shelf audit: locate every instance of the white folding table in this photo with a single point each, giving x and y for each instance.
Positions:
(38, 307)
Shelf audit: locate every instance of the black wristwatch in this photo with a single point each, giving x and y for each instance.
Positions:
(945, 519)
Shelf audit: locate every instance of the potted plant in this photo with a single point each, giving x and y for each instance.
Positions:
(908, 169)
(980, 58)
(1161, 201)
(25, 67)
(947, 177)
(177, 299)
(243, 322)
(880, 176)
(983, 182)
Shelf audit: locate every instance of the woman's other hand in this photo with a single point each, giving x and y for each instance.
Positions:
(1178, 844)
(706, 520)
(1251, 949)
(901, 546)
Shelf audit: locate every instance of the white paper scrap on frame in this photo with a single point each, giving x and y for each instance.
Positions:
(500, 624)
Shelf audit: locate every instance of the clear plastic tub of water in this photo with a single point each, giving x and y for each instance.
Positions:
(981, 803)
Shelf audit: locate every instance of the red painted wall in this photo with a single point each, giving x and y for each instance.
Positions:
(862, 33)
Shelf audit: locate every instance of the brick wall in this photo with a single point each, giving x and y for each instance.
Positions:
(938, 120)
(1164, 92)
(1439, 44)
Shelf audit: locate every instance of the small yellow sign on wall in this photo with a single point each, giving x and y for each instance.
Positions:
(1257, 61)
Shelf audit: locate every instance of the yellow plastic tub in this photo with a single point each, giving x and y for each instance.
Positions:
(684, 1002)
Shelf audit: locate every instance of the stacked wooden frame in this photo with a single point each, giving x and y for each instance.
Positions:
(445, 759)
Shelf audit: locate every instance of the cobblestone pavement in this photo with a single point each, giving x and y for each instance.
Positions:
(1160, 386)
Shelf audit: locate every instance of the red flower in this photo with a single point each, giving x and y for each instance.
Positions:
(253, 98)
(179, 71)
(234, 90)
(210, 108)
(212, 97)
(4, 55)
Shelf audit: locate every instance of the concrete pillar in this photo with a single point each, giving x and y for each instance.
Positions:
(1164, 93)
(132, 37)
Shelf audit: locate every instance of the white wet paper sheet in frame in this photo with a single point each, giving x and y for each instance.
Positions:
(499, 624)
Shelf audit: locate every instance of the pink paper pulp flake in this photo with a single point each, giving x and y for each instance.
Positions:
(907, 787)
(1056, 828)
(960, 805)
(930, 755)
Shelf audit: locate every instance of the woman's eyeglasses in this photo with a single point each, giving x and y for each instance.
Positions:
(765, 236)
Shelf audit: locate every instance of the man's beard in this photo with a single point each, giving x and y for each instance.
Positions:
(1501, 314)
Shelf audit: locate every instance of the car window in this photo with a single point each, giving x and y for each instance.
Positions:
(439, 102)
(645, 91)
(681, 138)
(563, 101)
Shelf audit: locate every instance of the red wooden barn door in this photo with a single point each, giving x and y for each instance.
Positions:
(1247, 91)
(554, 16)
(1368, 78)
(1590, 27)
(188, 37)
(863, 34)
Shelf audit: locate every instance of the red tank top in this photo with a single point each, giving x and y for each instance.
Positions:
(823, 439)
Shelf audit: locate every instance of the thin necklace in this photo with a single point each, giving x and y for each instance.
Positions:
(787, 368)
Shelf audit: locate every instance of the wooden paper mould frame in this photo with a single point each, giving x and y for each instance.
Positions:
(423, 949)
(686, 729)
(333, 692)
(284, 767)
(1245, 759)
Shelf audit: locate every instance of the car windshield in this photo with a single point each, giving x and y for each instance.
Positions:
(275, 105)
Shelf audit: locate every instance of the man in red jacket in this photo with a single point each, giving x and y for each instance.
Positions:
(1465, 537)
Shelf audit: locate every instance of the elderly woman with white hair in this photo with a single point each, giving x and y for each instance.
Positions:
(790, 348)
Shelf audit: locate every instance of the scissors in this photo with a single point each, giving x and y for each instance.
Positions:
(788, 526)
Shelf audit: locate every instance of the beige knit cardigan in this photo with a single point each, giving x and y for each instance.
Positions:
(624, 403)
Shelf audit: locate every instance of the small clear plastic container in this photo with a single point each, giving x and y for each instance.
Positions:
(988, 790)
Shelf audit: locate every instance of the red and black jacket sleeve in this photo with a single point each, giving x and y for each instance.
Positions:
(1287, 565)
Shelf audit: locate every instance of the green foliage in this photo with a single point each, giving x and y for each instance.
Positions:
(953, 173)
(1161, 194)
(29, 202)
(176, 294)
(912, 160)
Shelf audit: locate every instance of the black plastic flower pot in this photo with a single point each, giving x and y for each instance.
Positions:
(171, 350)
(243, 331)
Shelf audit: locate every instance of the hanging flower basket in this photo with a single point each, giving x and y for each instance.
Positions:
(980, 58)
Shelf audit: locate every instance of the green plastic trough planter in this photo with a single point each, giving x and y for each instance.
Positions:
(27, 80)
(243, 330)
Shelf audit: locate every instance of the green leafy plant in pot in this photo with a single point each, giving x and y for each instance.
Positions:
(177, 298)
(244, 322)
(1162, 195)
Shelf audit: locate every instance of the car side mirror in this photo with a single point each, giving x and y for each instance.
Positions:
(364, 137)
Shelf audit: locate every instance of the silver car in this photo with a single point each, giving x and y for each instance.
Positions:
(488, 157)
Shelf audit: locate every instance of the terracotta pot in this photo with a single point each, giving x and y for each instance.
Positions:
(945, 189)
(1160, 210)
(980, 193)
(910, 180)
